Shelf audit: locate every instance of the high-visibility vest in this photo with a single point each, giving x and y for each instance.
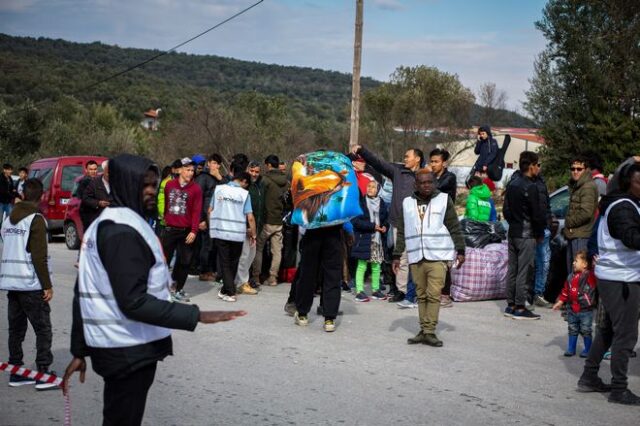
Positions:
(17, 272)
(105, 326)
(426, 236)
(227, 220)
(616, 262)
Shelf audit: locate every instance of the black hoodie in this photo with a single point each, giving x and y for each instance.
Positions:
(128, 259)
(487, 150)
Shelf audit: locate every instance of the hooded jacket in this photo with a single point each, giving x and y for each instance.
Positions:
(127, 259)
(479, 204)
(274, 184)
(403, 180)
(583, 205)
(486, 150)
(37, 244)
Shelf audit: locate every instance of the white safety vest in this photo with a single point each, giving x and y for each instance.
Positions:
(227, 221)
(617, 262)
(17, 272)
(105, 326)
(427, 237)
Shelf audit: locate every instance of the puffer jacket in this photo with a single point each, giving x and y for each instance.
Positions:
(479, 203)
(583, 204)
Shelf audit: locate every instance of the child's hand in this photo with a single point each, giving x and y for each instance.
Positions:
(557, 305)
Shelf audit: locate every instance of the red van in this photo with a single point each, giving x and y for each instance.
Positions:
(58, 176)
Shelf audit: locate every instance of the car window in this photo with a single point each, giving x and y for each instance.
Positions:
(69, 175)
(560, 204)
(44, 175)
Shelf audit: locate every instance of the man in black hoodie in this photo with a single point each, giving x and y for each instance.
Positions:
(121, 309)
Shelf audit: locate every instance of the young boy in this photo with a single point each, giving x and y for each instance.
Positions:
(479, 205)
(25, 275)
(579, 291)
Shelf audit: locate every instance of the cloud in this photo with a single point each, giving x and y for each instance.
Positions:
(388, 4)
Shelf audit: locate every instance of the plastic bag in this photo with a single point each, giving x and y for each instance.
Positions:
(480, 234)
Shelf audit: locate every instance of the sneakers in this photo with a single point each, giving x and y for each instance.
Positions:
(247, 289)
(407, 304)
(227, 298)
(625, 397)
(41, 385)
(362, 297)
(272, 282)
(15, 381)
(180, 296)
(432, 340)
(508, 311)
(329, 326)
(445, 301)
(378, 295)
(290, 308)
(301, 320)
(524, 314)
(417, 339)
(398, 297)
(540, 301)
(425, 339)
(220, 294)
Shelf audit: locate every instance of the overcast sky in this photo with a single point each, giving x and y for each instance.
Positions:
(481, 41)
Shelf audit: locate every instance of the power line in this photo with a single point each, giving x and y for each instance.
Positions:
(153, 58)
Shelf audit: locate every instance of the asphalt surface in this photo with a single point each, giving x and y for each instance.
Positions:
(264, 370)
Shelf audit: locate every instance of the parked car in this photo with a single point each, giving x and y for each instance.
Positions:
(58, 175)
(73, 229)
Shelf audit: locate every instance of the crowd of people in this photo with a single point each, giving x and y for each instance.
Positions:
(147, 230)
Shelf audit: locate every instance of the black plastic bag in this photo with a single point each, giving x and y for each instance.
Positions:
(480, 234)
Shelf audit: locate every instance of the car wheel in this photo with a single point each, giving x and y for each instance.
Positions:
(71, 236)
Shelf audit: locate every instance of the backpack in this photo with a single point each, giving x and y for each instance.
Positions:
(494, 170)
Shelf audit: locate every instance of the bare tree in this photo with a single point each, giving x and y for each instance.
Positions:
(493, 101)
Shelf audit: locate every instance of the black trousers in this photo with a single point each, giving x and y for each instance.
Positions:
(174, 239)
(618, 330)
(321, 251)
(28, 306)
(229, 253)
(208, 254)
(125, 398)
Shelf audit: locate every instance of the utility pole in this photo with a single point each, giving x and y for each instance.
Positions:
(355, 90)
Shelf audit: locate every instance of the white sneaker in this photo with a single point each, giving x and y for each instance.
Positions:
(220, 295)
(229, 298)
(406, 304)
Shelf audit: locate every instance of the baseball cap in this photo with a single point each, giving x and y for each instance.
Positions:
(186, 161)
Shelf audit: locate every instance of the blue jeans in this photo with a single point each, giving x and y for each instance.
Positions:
(411, 290)
(580, 323)
(543, 257)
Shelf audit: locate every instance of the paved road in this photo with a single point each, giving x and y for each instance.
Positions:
(264, 370)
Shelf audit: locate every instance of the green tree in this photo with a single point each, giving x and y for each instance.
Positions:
(585, 93)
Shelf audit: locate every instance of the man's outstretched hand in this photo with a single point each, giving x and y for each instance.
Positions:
(76, 364)
(212, 317)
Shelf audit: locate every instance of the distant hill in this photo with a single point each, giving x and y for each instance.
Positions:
(42, 68)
